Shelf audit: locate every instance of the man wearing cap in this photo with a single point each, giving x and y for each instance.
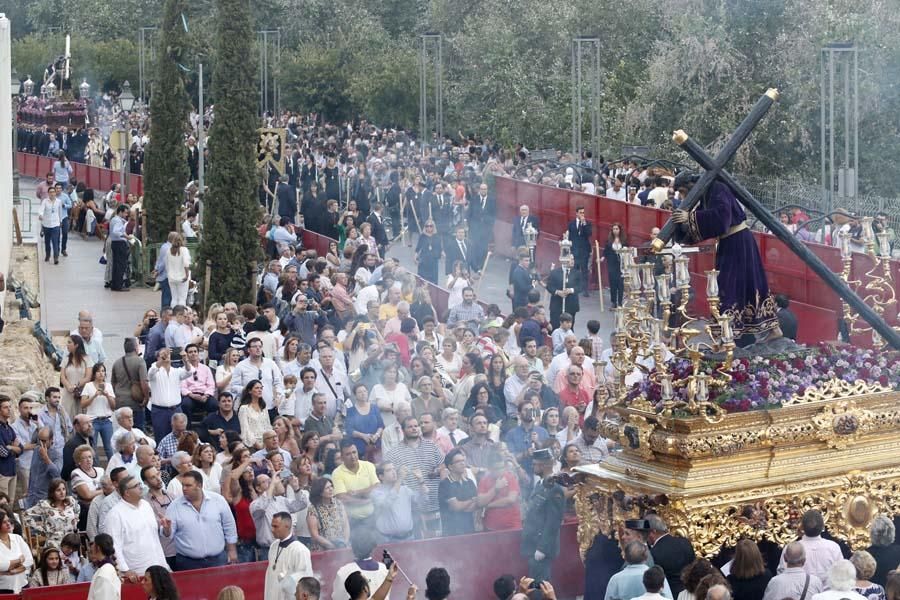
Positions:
(543, 518)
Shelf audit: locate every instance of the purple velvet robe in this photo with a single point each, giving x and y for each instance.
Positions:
(743, 287)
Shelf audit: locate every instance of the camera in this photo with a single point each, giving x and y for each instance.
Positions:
(152, 321)
(387, 559)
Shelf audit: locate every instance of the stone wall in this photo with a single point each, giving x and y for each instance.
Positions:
(23, 366)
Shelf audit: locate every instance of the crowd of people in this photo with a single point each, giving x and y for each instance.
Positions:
(341, 409)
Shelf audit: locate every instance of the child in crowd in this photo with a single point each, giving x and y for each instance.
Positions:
(558, 336)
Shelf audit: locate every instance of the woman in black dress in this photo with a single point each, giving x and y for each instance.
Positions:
(428, 253)
(616, 242)
(332, 180)
(749, 576)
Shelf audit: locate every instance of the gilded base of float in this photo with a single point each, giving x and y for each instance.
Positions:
(835, 449)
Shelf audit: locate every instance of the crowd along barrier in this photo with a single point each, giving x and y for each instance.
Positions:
(97, 178)
(817, 306)
(473, 561)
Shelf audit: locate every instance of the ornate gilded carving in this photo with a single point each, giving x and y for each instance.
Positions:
(635, 435)
(834, 389)
(842, 423)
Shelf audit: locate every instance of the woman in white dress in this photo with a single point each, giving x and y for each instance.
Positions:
(457, 281)
(253, 416)
(225, 369)
(105, 584)
(16, 559)
(178, 270)
(385, 395)
(448, 360)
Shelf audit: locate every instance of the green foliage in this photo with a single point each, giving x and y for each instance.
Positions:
(313, 80)
(230, 241)
(165, 169)
(105, 64)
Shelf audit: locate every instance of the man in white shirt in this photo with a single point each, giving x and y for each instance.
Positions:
(134, 529)
(369, 293)
(332, 383)
(363, 542)
(299, 405)
(820, 553)
(793, 581)
(165, 391)
(450, 428)
(125, 421)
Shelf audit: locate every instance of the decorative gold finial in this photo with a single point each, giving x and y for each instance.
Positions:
(773, 94)
(679, 137)
(657, 245)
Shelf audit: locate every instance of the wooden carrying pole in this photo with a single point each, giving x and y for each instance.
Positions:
(599, 272)
(487, 257)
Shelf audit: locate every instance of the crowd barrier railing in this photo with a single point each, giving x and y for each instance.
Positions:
(473, 562)
(97, 178)
(817, 306)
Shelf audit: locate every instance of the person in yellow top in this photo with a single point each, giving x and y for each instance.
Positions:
(353, 481)
(388, 310)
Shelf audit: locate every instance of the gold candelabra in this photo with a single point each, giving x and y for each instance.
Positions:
(645, 339)
(878, 290)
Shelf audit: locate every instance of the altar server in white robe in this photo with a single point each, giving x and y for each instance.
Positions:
(288, 558)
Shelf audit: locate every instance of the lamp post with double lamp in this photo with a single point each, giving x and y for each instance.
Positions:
(122, 136)
(15, 89)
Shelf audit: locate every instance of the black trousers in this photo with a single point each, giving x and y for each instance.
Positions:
(120, 263)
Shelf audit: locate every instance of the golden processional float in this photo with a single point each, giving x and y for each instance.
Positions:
(724, 446)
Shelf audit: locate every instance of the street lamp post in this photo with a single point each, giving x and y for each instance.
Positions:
(118, 141)
(15, 90)
(126, 101)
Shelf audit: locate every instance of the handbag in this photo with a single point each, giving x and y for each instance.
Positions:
(137, 390)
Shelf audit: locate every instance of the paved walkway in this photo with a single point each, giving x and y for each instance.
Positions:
(76, 283)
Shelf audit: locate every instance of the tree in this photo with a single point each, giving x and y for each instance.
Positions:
(230, 241)
(166, 169)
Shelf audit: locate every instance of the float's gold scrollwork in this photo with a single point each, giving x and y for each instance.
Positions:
(834, 389)
(840, 424)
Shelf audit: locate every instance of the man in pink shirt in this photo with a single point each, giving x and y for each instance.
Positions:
(341, 300)
(200, 388)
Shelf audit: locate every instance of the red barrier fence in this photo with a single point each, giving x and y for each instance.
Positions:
(473, 561)
(817, 307)
(97, 178)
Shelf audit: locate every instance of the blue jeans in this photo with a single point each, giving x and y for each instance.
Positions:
(104, 428)
(166, 299)
(64, 233)
(246, 552)
(51, 236)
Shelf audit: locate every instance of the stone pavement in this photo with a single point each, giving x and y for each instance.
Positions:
(76, 283)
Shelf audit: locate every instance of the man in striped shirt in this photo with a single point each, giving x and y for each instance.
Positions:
(420, 461)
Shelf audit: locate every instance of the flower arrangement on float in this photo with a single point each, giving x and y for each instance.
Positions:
(763, 383)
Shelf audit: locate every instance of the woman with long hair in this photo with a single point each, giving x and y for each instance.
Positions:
(286, 439)
(142, 330)
(329, 526)
(98, 400)
(421, 307)
(239, 492)
(226, 439)
(56, 515)
(62, 169)
(691, 576)
(214, 310)
(615, 242)
(219, 340)
(178, 270)
(50, 570)
(551, 422)
(481, 398)
(302, 468)
(105, 584)
(204, 458)
(496, 374)
(158, 584)
(288, 352)
(472, 367)
(309, 447)
(749, 576)
(74, 374)
(253, 415)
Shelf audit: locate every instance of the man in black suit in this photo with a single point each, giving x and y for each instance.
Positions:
(442, 213)
(669, 552)
(521, 224)
(542, 519)
(376, 220)
(580, 234)
(520, 279)
(414, 200)
(482, 212)
(458, 249)
(564, 283)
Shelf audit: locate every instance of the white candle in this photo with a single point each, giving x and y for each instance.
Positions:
(68, 54)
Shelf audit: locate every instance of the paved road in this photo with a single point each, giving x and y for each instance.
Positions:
(77, 283)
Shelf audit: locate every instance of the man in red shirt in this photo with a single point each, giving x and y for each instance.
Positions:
(572, 393)
(503, 511)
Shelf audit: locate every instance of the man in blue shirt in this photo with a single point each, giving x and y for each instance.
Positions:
(156, 337)
(67, 203)
(202, 526)
(118, 239)
(523, 440)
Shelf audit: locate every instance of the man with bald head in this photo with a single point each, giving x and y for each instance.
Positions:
(576, 356)
(793, 581)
